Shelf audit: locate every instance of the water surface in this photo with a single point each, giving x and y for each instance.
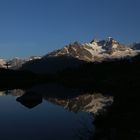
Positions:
(24, 116)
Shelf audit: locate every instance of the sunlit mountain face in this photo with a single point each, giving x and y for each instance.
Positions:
(96, 50)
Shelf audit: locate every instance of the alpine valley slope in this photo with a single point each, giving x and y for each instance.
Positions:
(75, 54)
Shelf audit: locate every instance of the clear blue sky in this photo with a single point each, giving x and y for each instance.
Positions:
(35, 27)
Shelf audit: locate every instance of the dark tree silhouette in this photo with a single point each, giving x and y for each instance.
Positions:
(7, 64)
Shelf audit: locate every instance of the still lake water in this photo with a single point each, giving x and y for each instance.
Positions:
(26, 115)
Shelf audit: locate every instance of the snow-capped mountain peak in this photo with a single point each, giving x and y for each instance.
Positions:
(76, 53)
(96, 50)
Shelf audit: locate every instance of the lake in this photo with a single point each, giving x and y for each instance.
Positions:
(45, 112)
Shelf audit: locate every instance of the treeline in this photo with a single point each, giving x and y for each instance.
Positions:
(107, 74)
(115, 73)
(21, 79)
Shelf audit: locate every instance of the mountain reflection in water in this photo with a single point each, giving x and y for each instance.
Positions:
(92, 103)
(55, 112)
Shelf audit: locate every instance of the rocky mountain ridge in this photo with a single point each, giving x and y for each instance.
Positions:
(96, 50)
(74, 54)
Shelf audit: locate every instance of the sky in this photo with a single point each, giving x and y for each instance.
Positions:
(36, 27)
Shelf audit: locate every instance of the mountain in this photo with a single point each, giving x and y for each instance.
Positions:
(73, 55)
(95, 50)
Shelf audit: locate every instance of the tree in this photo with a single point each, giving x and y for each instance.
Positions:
(7, 64)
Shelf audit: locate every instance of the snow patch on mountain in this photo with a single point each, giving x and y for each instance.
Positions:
(96, 50)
